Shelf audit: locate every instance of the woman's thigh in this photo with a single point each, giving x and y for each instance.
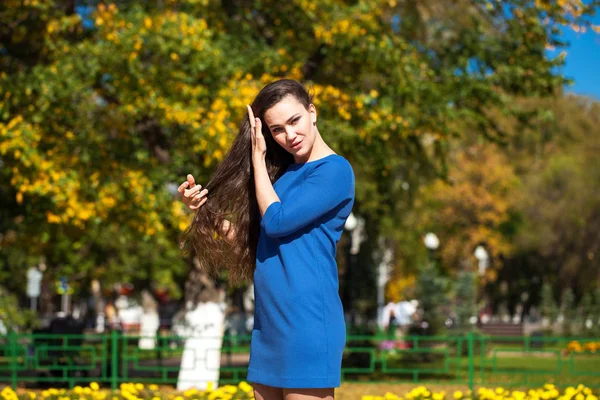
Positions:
(308, 394)
(264, 392)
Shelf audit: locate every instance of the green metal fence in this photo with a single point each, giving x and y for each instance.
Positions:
(471, 360)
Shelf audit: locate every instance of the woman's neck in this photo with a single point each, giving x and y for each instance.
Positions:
(319, 150)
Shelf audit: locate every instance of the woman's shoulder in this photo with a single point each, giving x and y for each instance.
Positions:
(334, 166)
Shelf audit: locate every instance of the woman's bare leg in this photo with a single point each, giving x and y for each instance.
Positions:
(264, 392)
(308, 394)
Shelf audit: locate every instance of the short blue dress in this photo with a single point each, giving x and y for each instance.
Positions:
(299, 331)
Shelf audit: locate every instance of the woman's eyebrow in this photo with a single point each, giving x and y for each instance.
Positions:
(287, 122)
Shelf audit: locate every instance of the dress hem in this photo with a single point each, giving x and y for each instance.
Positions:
(295, 382)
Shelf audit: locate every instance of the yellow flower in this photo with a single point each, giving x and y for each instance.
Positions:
(153, 387)
(245, 387)
(458, 394)
(580, 397)
(94, 386)
(139, 386)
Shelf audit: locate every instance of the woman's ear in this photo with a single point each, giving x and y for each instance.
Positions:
(313, 113)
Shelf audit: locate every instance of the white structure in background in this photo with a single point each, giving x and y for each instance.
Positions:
(203, 329)
(129, 312)
(383, 276)
(99, 305)
(402, 311)
(483, 257)
(249, 307)
(34, 285)
(203, 326)
(149, 323)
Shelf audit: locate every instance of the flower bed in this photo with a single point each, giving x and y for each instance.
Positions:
(243, 391)
(588, 347)
(547, 392)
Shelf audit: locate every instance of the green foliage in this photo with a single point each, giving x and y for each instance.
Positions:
(568, 312)
(548, 305)
(585, 313)
(432, 293)
(596, 313)
(12, 316)
(465, 296)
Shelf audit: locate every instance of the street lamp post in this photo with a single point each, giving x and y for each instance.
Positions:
(383, 275)
(432, 243)
(354, 226)
(483, 257)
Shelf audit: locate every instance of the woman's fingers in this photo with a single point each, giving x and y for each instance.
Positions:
(250, 116)
(258, 127)
(191, 192)
(200, 194)
(181, 188)
(252, 126)
(258, 139)
(190, 179)
(190, 182)
(197, 206)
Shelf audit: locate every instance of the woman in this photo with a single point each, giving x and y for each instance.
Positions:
(279, 200)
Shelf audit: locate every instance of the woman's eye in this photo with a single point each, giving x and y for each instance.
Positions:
(295, 121)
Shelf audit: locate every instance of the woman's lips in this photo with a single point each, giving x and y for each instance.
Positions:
(297, 145)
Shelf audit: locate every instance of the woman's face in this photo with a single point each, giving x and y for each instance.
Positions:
(292, 126)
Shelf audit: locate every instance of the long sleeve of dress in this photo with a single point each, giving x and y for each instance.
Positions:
(326, 187)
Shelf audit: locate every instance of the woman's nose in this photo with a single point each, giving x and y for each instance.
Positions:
(291, 135)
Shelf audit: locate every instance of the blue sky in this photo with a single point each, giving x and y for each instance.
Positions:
(583, 62)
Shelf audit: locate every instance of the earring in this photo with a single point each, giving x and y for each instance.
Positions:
(315, 123)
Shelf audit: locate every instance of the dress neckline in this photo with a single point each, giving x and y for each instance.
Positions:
(298, 165)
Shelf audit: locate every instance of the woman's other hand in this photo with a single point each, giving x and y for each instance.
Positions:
(191, 194)
(259, 146)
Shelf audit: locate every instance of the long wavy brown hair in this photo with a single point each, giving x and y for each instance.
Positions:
(231, 193)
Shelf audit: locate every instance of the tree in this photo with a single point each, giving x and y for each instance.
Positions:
(105, 105)
(431, 291)
(548, 305)
(567, 309)
(585, 314)
(558, 205)
(470, 208)
(596, 313)
(466, 306)
(12, 317)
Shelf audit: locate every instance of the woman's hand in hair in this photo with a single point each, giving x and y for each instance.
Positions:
(259, 146)
(191, 194)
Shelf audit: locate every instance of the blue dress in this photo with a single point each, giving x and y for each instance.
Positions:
(299, 332)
